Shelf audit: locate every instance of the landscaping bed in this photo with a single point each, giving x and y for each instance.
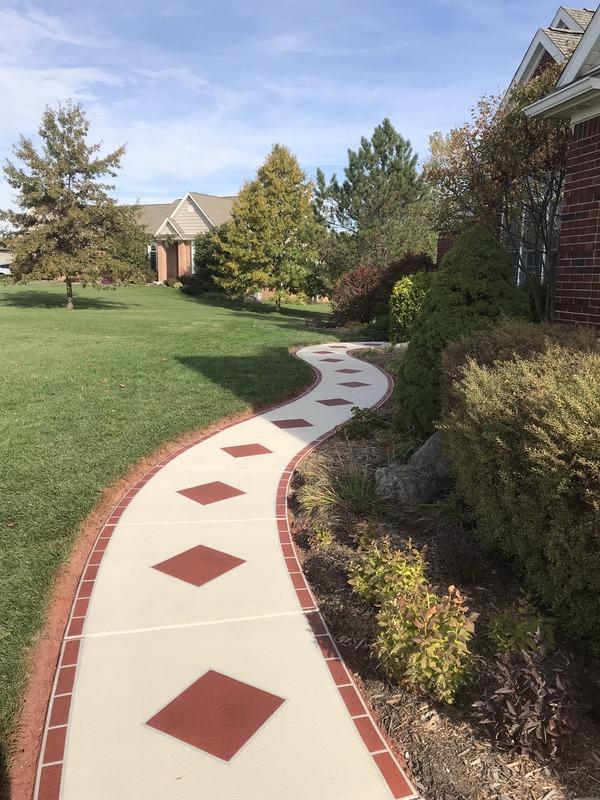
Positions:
(447, 756)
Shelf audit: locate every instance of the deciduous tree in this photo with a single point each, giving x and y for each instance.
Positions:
(67, 226)
(507, 172)
(272, 236)
(376, 213)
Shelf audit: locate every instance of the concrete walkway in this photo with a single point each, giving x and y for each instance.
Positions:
(196, 665)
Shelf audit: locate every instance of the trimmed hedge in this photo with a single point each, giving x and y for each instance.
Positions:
(471, 289)
(405, 303)
(523, 435)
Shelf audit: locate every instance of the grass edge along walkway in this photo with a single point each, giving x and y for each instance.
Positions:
(88, 394)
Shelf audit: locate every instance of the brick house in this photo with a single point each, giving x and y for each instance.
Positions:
(576, 98)
(174, 226)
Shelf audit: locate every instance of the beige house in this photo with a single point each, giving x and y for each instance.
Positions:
(174, 226)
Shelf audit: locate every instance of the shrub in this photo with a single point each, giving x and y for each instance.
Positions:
(355, 297)
(363, 423)
(380, 571)
(528, 708)
(469, 291)
(363, 295)
(423, 641)
(405, 303)
(341, 486)
(508, 340)
(519, 628)
(524, 440)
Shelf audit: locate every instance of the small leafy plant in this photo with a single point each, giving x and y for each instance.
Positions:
(381, 571)
(363, 424)
(322, 536)
(520, 627)
(423, 641)
(528, 709)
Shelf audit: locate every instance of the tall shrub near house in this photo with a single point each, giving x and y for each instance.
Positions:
(405, 303)
(471, 289)
(523, 435)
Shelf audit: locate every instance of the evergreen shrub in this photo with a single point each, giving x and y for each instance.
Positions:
(523, 436)
(471, 289)
(405, 303)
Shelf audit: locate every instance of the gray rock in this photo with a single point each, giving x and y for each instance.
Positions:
(418, 481)
(401, 347)
(430, 457)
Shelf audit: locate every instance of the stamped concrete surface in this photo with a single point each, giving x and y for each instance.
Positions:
(195, 663)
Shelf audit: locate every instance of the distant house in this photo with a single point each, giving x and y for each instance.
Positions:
(576, 97)
(174, 226)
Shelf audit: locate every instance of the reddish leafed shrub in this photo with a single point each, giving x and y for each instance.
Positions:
(363, 294)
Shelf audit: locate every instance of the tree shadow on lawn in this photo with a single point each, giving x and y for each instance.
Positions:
(257, 380)
(42, 298)
(286, 315)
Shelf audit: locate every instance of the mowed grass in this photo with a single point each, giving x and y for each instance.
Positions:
(85, 394)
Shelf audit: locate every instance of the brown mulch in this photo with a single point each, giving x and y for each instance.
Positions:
(447, 757)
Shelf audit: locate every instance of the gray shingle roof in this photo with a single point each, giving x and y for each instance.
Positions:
(152, 216)
(217, 209)
(582, 16)
(566, 41)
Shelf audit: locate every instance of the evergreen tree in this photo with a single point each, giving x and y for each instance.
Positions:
(377, 212)
(273, 232)
(471, 289)
(67, 226)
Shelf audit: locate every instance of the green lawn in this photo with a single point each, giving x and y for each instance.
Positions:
(84, 394)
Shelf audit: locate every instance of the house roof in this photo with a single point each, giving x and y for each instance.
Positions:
(559, 41)
(157, 217)
(217, 209)
(582, 16)
(566, 41)
(152, 216)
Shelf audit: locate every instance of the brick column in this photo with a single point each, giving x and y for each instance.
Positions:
(184, 258)
(161, 261)
(577, 298)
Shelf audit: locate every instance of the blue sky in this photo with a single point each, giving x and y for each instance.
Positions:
(200, 90)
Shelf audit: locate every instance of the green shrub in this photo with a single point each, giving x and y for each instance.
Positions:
(524, 440)
(363, 423)
(528, 709)
(508, 340)
(405, 303)
(471, 289)
(381, 571)
(520, 628)
(423, 641)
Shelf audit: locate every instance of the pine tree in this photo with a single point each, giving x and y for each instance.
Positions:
(273, 232)
(67, 226)
(471, 289)
(377, 211)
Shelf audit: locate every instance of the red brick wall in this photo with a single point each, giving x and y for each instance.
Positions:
(578, 269)
(184, 258)
(161, 261)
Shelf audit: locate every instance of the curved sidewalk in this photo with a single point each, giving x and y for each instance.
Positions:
(196, 665)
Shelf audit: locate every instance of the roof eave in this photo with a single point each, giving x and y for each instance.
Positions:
(562, 103)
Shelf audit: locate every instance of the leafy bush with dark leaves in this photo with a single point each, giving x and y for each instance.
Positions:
(363, 295)
(528, 709)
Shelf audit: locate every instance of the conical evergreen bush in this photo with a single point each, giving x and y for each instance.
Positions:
(472, 288)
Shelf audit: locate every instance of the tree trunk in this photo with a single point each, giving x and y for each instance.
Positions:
(69, 286)
(277, 301)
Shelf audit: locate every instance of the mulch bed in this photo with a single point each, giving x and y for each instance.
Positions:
(447, 757)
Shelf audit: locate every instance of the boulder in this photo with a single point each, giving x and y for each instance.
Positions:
(418, 481)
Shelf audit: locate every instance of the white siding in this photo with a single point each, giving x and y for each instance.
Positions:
(191, 222)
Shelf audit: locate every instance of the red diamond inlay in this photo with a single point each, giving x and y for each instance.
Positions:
(322, 352)
(353, 384)
(292, 423)
(217, 714)
(349, 371)
(242, 450)
(199, 565)
(213, 492)
(332, 360)
(335, 401)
